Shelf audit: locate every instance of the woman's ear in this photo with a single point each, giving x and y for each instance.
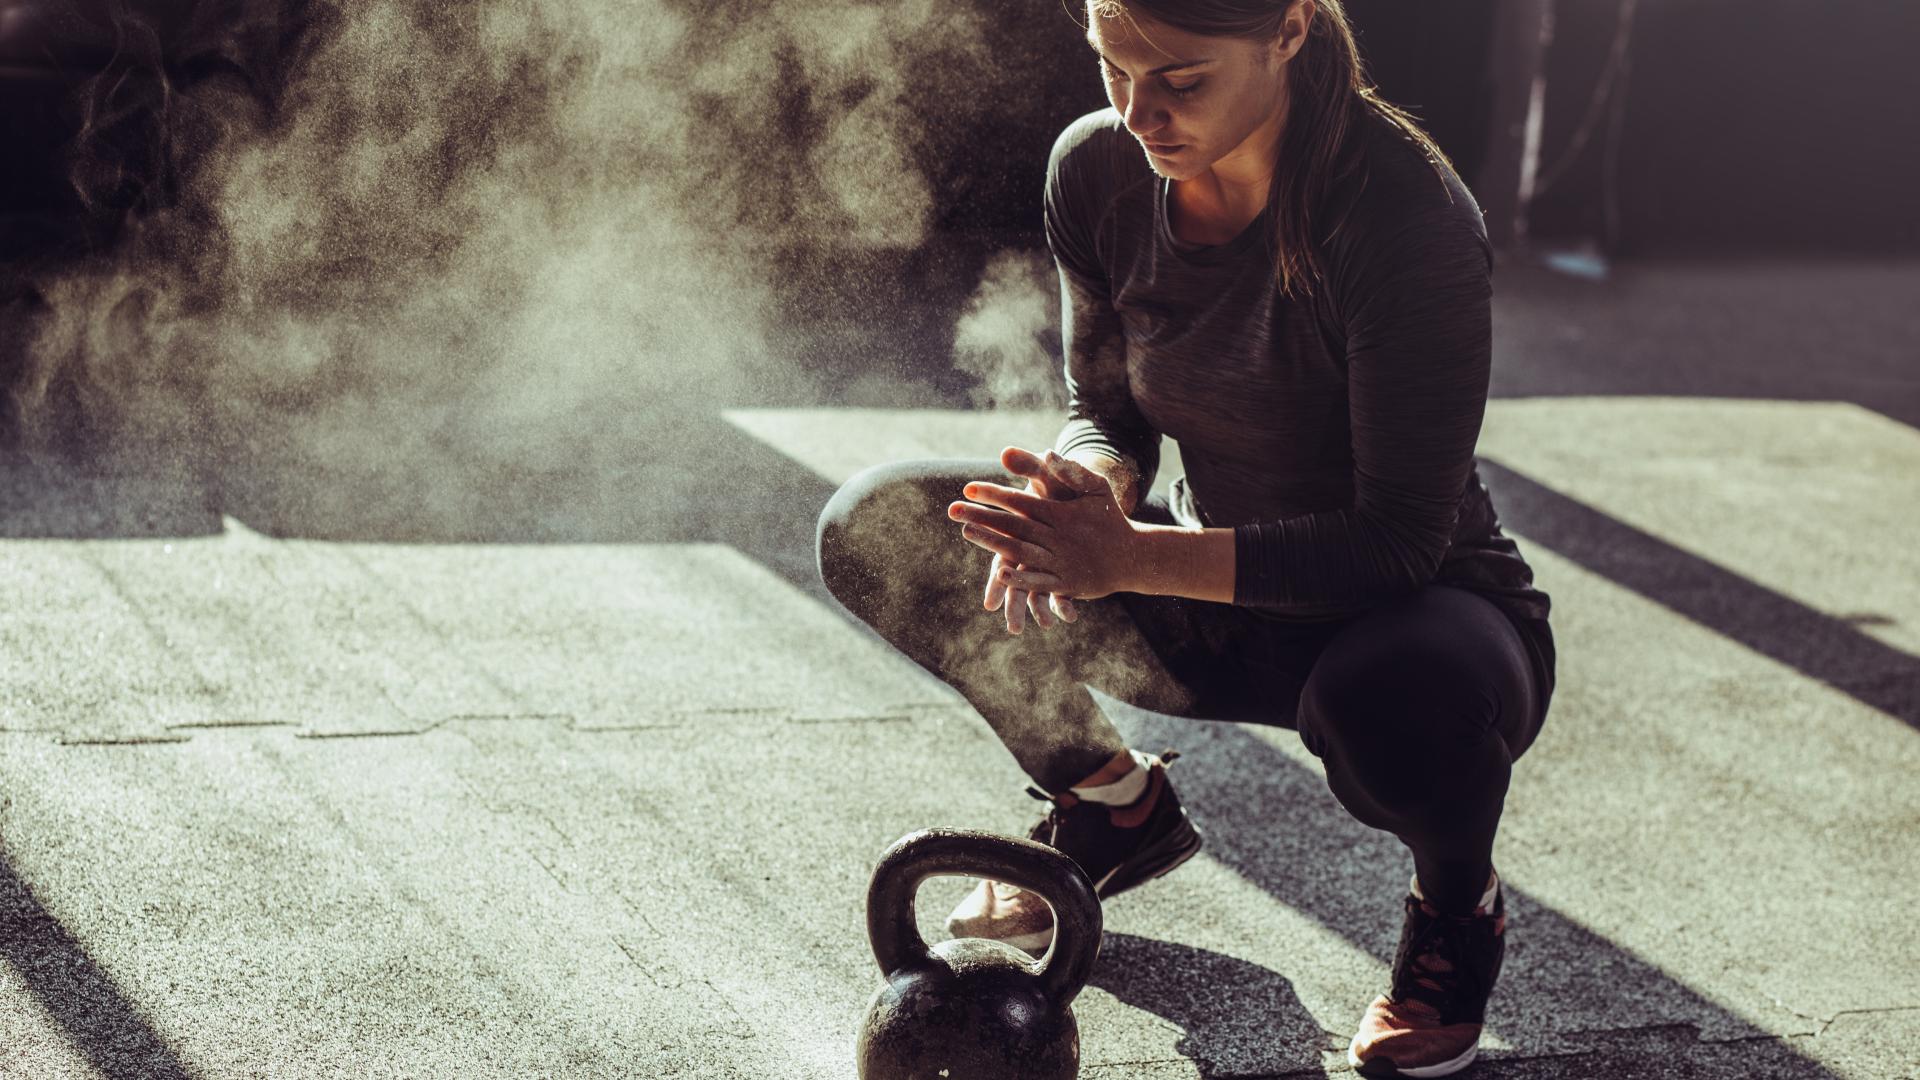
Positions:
(1294, 27)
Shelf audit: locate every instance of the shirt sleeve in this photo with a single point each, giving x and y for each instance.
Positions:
(1101, 413)
(1417, 318)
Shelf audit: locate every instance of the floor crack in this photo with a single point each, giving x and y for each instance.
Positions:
(1828, 1022)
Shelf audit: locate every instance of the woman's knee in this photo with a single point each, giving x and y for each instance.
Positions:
(886, 528)
(1396, 714)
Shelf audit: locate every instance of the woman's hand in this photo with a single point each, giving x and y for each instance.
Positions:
(1045, 607)
(1042, 480)
(1084, 548)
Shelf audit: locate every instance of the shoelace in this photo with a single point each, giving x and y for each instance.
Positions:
(1430, 964)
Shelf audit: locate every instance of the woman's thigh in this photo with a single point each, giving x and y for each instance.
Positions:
(890, 554)
(1441, 666)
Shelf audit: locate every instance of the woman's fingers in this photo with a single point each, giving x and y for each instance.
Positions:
(1047, 609)
(1013, 524)
(1037, 605)
(996, 585)
(1032, 580)
(1063, 607)
(1022, 462)
(1016, 610)
(1074, 476)
(1012, 502)
(1066, 476)
(1011, 550)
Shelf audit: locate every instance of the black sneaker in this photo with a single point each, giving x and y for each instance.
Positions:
(1119, 847)
(1429, 1021)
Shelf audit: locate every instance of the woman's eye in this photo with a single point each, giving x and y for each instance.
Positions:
(1114, 73)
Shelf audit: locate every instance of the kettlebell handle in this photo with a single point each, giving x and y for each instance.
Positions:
(1033, 866)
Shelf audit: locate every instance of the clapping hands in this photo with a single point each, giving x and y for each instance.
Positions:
(1064, 538)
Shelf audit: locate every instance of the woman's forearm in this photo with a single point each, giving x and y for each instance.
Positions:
(1170, 560)
(1173, 560)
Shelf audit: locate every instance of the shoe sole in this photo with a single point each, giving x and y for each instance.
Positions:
(1157, 859)
(1384, 1068)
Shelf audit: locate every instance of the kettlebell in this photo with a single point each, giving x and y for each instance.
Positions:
(969, 1008)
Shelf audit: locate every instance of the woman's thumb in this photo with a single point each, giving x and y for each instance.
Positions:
(1074, 475)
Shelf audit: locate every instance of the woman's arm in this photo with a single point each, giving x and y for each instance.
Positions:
(1104, 429)
(1178, 561)
(1417, 316)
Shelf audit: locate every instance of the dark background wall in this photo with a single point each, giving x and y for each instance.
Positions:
(1749, 126)
(1746, 125)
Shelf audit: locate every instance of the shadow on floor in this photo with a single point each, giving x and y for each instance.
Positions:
(701, 481)
(1823, 647)
(1224, 1006)
(97, 1019)
(1273, 821)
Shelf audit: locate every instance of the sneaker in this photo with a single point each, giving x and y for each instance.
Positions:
(1429, 1023)
(1119, 847)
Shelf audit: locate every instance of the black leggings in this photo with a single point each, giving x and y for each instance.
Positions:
(1417, 708)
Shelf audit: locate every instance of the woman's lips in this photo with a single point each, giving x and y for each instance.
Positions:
(1164, 149)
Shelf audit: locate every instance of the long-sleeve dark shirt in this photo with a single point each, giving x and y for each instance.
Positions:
(1334, 434)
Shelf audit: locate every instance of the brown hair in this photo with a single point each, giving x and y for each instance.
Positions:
(1331, 97)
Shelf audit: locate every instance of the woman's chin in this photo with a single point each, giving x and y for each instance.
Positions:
(1174, 169)
(1182, 164)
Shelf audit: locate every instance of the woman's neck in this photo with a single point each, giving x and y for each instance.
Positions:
(1214, 206)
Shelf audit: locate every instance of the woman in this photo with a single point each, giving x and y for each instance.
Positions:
(1262, 260)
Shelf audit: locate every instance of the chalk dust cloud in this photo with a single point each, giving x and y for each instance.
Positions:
(459, 255)
(490, 270)
(1000, 338)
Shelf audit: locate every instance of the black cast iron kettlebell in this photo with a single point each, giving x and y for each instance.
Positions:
(972, 1009)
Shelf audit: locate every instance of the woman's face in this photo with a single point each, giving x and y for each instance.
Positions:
(1193, 100)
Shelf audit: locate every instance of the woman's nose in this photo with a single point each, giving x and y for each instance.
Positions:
(1142, 118)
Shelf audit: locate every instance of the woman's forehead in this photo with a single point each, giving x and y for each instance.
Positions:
(1121, 33)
